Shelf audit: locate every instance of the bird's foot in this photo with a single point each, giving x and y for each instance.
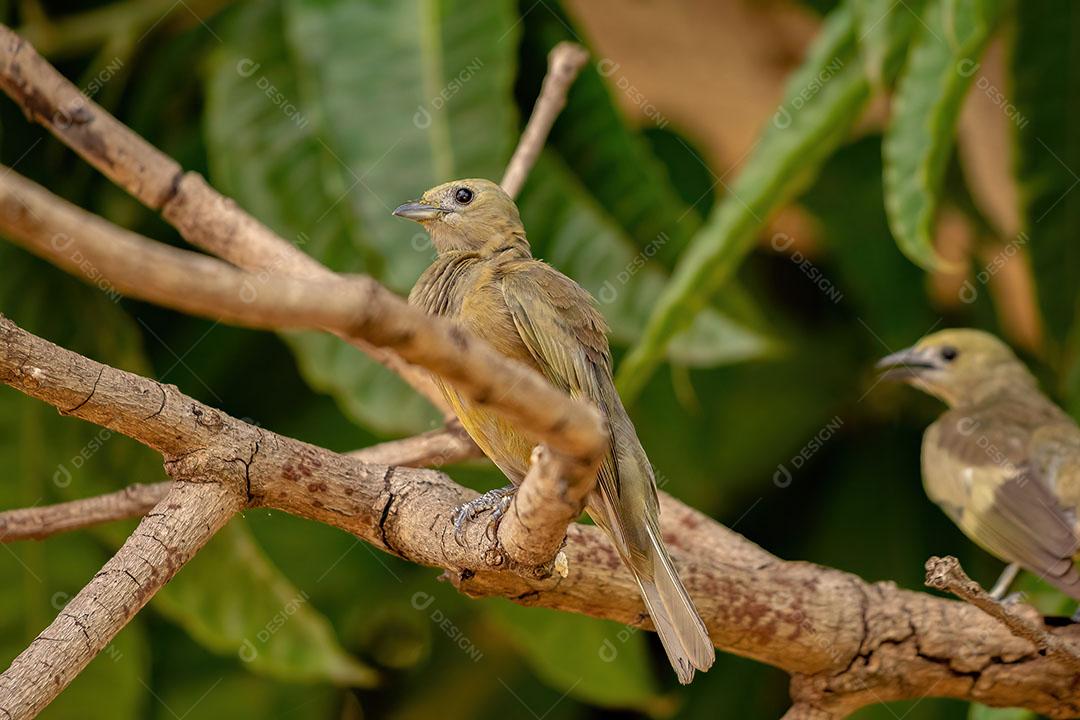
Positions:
(497, 501)
(1001, 587)
(1013, 598)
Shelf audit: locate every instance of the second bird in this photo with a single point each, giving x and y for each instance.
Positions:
(1004, 461)
(484, 276)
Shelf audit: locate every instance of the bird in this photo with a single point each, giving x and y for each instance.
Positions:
(1003, 461)
(485, 278)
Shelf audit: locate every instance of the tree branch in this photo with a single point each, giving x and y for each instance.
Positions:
(848, 643)
(166, 539)
(448, 445)
(564, 63)
(37, 523)
(548, 500)
(203, 216)
(947, 574)
(355, 306)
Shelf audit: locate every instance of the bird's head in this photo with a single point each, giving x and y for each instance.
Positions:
(959, 366)
(468, 215)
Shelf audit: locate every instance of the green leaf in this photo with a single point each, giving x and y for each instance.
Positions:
(574, 234)
(596, 661)
(40, 578)
(823, 99)
(232, 599)
(229, 597)
(614, 162)
(982, 712)
(324, 116)
(267, 150)
(1047, 98)
(885, 27)
(621, 178)
(879, 284)
(942, 65)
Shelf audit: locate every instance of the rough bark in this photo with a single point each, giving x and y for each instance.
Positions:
(167, 538)
(847, 643)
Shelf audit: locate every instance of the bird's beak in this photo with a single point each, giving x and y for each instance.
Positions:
(418, 211)
(906, 364)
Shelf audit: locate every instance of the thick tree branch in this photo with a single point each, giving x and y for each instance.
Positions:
(848, 643)
(203, 216)
(438, 447)
(166, 539)
(355, 306)
(36, 523)
(564, 63)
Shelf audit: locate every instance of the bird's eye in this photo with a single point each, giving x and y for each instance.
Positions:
(463, 195)
(949, 353)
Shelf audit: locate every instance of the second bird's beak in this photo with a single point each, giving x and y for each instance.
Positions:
(906, 364)
(420, 212)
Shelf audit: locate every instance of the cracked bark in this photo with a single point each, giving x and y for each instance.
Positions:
(40, 522)
(847, 643)
(183, 521)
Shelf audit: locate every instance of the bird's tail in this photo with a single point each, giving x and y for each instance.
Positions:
(681, 630)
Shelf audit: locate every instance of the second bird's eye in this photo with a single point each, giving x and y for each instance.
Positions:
(949, 353)
(463, 195)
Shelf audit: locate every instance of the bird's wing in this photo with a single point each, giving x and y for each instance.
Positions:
(982, 467)
(567, 337)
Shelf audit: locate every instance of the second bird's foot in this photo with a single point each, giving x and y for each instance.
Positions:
(497, 501)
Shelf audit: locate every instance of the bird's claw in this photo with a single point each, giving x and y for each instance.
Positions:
(1013, 598)
(497, 501)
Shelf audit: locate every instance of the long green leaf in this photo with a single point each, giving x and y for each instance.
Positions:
(942, 65)
(823, 98)
(600, 662)
(617, 167)
(982, 712)
(1047, 99)
(229, 597)
(885, 26)
(324, 116)
(570, 231)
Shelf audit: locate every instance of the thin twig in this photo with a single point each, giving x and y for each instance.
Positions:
(947, 574)
(164, 541)
(564, 63)
(36, 523)
(432, 449)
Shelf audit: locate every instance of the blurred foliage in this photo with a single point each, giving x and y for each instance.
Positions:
(319, 116)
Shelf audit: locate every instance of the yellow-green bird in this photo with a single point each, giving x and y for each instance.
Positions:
(485, 277)
(1004, 461)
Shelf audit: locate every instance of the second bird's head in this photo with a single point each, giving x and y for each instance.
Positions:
(960, 366)
(472, 215)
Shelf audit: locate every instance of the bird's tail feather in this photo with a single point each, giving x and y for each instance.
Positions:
(682, 633)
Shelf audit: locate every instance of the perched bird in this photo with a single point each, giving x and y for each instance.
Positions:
(1004, 461)
(485, 277)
